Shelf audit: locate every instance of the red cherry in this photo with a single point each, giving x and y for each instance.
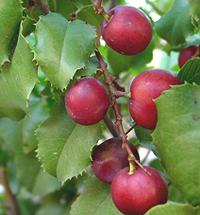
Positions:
(87, 101)
(109, 157)
(128, 31)
(144, 89)
(136, 194)
(187, 54)
(143, 113)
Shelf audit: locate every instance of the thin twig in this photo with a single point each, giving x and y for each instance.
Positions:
(100, 10)
(111, 126)
(108, 80)
(131, 128)
(117, 85)
(43, 6)
(11, 203)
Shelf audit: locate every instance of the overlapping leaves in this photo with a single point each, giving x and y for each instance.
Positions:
(64, 147)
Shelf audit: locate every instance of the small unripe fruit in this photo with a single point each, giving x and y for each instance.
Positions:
(87, 101)
(128, 31)
(136, 194)
(187, 54)
(146, 87)
(109, 158)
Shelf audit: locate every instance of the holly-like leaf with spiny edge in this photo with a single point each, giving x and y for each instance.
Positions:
(63, 47)
(17, 81)
(177, 138)
(191, 71)
(64, 146)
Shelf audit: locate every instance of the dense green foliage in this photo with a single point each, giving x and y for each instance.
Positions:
(47, 156)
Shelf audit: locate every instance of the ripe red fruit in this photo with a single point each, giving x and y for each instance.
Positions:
(87, 101)
(128, 31)
(144, 89)
(136, 194)
(109, 157)
(187, 54)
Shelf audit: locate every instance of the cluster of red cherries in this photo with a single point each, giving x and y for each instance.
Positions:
(129, 32)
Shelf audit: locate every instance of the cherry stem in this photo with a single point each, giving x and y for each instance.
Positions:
(131, 128)
(43, 6)
(118, 123)
(117, 85)
(100, 10)
(131, 167)
(11, 202)
(111, 126)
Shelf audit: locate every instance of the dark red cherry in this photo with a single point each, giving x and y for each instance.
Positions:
(109, 157)
(87, 101)
(136, 194)
(128, 31)
(146, 87)
(187, 54)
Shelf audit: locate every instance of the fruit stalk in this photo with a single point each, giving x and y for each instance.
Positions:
(130, 129)
(100, 10)
(108, 80)
(43, 6)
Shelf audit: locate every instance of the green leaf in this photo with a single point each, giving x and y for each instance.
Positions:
(28, 170)
(26, 176)
(10, 135)
(65, 7)
(10, 15)
(91, 67)
(28, 26)
(44, 184)
(176, 24)
(88, 15)
(195, 6)
(52, 208)
(38, 113)
(120, 63)
(191, 71)
(177, 138)
(64, 147)
(33, 178)
(174, 208)
(62, 47)
(175, 195)
(95, 200)
(144, 137)
(17, 81)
